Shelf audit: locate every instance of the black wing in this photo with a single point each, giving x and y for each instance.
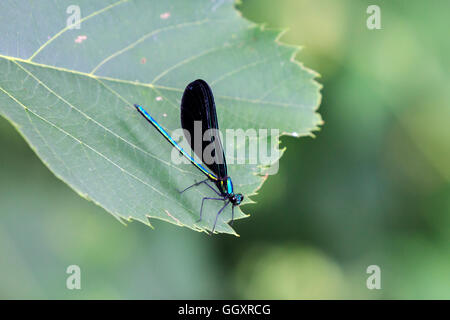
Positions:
(198, 104)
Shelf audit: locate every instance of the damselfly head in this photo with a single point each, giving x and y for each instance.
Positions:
(236, 199)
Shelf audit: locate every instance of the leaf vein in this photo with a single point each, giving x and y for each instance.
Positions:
(68, 27)
(145, 37)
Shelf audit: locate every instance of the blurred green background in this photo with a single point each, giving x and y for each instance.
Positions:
(371, 189)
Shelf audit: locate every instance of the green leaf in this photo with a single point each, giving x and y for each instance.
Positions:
(70, 93)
